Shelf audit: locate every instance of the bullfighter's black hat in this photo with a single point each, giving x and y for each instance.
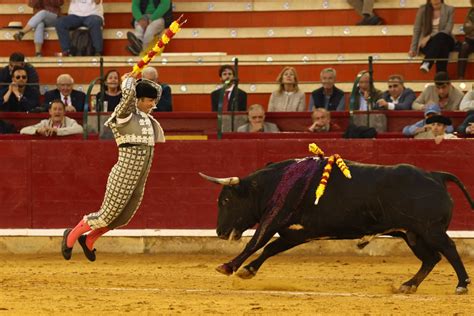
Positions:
(147, 89)
(439, 119)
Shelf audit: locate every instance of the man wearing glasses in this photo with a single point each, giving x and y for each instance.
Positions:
(256, 117)
(397, 97)
(18, 96)
(18, 60)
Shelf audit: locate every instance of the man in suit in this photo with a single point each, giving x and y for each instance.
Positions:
(397, 97)
(73, 99)
(165, 104)
(227, 74)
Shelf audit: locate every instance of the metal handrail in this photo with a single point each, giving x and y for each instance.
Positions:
(99, 105)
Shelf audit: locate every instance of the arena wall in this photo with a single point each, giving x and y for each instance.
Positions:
(49, 184)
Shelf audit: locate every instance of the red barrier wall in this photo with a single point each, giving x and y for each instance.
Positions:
(206, 122)
(52, 184)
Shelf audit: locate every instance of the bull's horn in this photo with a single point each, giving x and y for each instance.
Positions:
(223, 181)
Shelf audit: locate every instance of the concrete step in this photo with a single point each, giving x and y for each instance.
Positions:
(255, 40)
(175, 67)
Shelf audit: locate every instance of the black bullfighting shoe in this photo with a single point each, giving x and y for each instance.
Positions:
(65, 250)
(90, 254)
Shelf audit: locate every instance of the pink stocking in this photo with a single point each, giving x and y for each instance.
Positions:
(81, 228)
(94, 235)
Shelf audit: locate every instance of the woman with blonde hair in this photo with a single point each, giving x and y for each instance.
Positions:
(288, 98)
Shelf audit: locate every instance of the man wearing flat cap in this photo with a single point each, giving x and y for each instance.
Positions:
(135, 132)
(438, 125)
(421, 127)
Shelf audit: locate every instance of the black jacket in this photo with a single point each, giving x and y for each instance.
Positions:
(28, 101)
(78, 99)
(33, 78)
(242, 102)
(165, 104)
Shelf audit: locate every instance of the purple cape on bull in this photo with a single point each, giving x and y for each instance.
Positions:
(400, 200)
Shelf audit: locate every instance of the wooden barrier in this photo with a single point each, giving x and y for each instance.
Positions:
(206, 122)
(52, 184)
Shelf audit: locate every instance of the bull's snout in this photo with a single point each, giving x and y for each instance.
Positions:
(232, 235)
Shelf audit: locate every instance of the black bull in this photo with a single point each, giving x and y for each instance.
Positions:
(401, 200)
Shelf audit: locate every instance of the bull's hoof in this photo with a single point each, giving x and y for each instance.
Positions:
(461, 290)
(225, 269)
(406, 289)
(245, 273)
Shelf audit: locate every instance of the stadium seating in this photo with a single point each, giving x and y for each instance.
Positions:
(263, 35)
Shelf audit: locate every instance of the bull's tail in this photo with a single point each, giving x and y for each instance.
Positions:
(446, 176)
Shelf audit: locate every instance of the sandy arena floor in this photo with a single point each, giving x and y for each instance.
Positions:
(189, 285)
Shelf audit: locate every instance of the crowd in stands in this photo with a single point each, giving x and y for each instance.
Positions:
(432, 37)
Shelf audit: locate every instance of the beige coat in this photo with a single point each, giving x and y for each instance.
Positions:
(430, 95)
(68, 127)
(287, 102)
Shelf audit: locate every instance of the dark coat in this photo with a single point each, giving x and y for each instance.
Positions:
(166, 102)
(242, 102)
(404, 102)
(33, 78)
(78, 99)
(28, 101)
(334, 99)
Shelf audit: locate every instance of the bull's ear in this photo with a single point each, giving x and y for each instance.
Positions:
(222, 181)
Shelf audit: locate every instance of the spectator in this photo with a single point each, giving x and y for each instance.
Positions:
(45, 14)
(397, 97)
(467, 126)
(432, 34)
(467, 102)
(57, 124)
(322, 121)
(150, 17)
(82, 13)
(437, 129)
(328, 96)
(165, 104)
(73, 99)
(365, 8)
(366, 94)
(443, 93)
(420, 126)
(256, 117)
(289, 97)
(227, 76)
(18, 60)
(112, 93)
(468, 45)
(19, 96)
